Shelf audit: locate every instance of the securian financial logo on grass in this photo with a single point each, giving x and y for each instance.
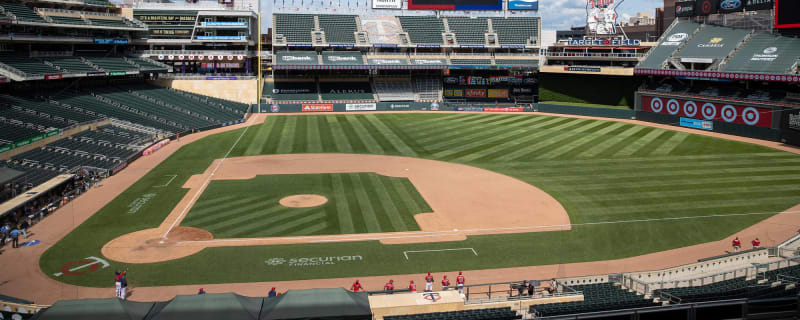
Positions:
(311, 261)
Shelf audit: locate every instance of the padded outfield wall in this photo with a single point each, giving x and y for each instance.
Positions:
(741, 118)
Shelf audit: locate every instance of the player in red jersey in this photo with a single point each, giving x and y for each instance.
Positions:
(389, 286)
(445, 283)
(412, 286)
(460, 280)
(429, 282)
(356, 286)
(118, 283)
(756, 243)
(737, 244)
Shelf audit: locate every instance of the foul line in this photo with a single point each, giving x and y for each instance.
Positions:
(168, 182)
(405, 253)
(208, 179)
(425, 234)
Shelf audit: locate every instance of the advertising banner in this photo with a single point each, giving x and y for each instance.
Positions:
(706, 7)
(116, 73)
(52, 77)
(221, 78)
(387, 4)
(728, 6)
(713, 111)
(95, 74)
(428, 61)
(5, 148)
(510, 109)
(760, 5)
(523, 4)
(476, 93)
(455, 5)
(209, 65)
(453, 93)
(317, 107)
(583, 69)
(360, 107)
(684, 8)
(498, 93)
(697, 124)
(220, 38)
(110, 41)
(224, 24)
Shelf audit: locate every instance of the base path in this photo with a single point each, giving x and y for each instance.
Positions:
(22, 278)
(465, 200)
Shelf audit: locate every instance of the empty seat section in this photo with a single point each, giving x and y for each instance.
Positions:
(517, 62)
(765, 53)
(470, 61)
(67, 19)
(338, 28)
(22, 12)
(345, 90)
(670, 42)
(475, 314)
(296, 28)
(515, 30)
(70, 64)
(30, 66)
(713, 42)
(468, 30)
(118, 23)
(394, 89)
(596, 297)
(428, 88)
(112, 64)
(423, 30)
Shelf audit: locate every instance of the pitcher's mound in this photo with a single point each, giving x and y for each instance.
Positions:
(303, 201)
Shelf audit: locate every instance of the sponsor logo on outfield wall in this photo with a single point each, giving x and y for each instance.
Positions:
(361, 107)
(317, 107)
(311, 261)
(712, 111)
(512, 109)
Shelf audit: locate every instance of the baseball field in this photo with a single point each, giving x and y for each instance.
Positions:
(628, 190)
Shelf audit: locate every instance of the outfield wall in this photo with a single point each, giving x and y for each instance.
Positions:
(741, 118)
(244, 91)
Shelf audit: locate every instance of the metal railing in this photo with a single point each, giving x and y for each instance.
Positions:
(194, 52)
(594, 54)
(198, 6)
(53, 10)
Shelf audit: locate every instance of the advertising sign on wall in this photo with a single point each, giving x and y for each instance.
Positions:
(317, 107)
(697, 124)
(476, 93)
(713, 111)
(360, 107)
(706, 7)
(523, 4)
(498, 93)
(510, 109)
(387, 4)
(684, 8)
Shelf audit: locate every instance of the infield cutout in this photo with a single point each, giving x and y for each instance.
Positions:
(303, 201)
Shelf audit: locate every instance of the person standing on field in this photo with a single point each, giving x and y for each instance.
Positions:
(429, 282)
(756, 243)
(118, 283)
(389, 286)
(445, 283)
(412, 287)
(460, 280)
(356, 287)
(737, 244)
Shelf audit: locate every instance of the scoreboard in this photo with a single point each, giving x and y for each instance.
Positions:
(455, 4)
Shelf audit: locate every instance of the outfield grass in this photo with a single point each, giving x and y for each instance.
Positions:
(357, 203)
(599, 170)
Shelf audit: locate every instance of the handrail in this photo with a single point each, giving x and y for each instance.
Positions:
(54, 10)
(194, 52)
(594, 54)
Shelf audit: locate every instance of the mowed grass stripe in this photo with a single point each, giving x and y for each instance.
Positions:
(567, 171)
(403, 193)
(286, 142)
(673, 142)
(313, 229)
(204, 209)
(338, 134)
(544, 145)
(287, 222)
(326, 135)
(492, 138)
(609, 143)
(374, 134)
(212, 200)
(477, 133)
(314, 139)
(405, 206)
(300, 142)
(577, 145)
(587, 186)
(450, 132)
(386, 202)
(555, 129)
(260, 137)
(637, 144)
(608, 153)
(274, 137)
(655, 144)
(616, 189)
(255, 222)
(614, 161)
(390, 135)
(359, 137)
(365, 205)
(683, 194)
(696, 206)
(343, 212)
(566, 141)
(232, 214)
(678, 174)
(422, 131)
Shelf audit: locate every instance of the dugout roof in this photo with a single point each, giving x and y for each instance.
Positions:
(336, 303)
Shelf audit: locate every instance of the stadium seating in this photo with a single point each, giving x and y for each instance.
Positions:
(394, 90)
(216, 113)
(22, 12)
(146, 65)
(515, 30)
(477, 314)
(338, 28)
(729, 289)
(296, 28)
(596, 297)
(671, 41)
(114, 135)
(468, 30)
(765, 53)
(345, 90)
(50, 110)
(32, 120)
(33, 173)
(713, 42)
(67, 20)
(428, 88)
(423, 29)
(111, 64)
(517, 62)
(27, 65)
(70, 64)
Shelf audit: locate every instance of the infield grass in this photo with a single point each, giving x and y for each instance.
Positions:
(600, 171)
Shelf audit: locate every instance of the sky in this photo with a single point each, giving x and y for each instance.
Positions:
(557, 14)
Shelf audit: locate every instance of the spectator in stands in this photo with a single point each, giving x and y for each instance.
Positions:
(201, 291)
(272, 293)
(389, 286)
(356, 287)
(737, 244)
(756, 243)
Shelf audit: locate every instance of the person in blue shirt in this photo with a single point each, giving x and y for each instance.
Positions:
(272, 292)
(14, 238)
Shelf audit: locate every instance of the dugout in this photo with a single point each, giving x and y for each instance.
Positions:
(328, 304)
